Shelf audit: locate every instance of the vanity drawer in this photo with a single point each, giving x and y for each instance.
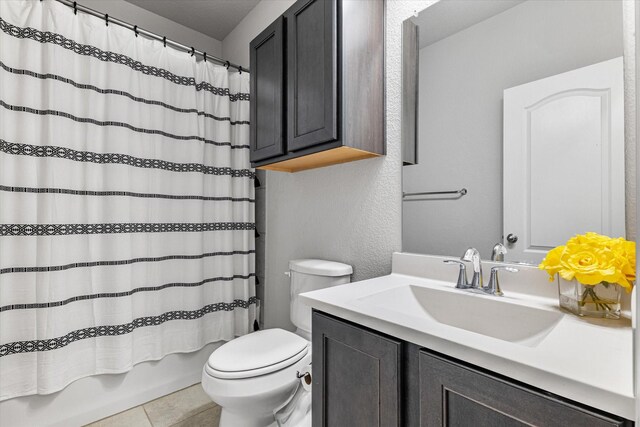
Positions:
(455, 394)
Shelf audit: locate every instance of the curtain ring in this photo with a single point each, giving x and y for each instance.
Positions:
(240, 69)
(164, 41)
(75, 8)
(227, 64)
(193, 51)
(205, 57)
(106, 19)
(135, 30)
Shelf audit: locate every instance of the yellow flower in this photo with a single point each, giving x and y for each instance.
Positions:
(552, 262)
(588, 265)
(592, 258)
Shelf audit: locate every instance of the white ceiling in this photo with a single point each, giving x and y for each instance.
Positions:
(447, 17)
(215, 18)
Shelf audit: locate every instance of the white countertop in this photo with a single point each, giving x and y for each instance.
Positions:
(589, 361)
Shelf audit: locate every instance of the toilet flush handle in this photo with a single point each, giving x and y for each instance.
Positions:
(287, 273)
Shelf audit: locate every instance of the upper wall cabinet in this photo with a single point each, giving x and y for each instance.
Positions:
(267, 115)
(317, 86)
(312, 71)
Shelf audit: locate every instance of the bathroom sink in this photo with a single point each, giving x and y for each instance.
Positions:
(490, 316)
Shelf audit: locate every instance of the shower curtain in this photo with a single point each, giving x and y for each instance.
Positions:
(126, 199)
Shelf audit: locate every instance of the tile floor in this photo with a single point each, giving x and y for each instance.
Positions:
(189, 407)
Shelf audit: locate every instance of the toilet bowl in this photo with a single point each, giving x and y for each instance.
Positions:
(247, 392)
(251, 376)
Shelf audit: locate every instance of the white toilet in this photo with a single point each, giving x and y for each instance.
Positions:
(251, 376)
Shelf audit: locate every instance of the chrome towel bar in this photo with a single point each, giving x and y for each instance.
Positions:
(460, 193)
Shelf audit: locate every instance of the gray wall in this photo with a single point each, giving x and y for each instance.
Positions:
(235, 47)
(462, 79)
(135, 15)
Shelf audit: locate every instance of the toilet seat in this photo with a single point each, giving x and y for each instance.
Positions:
(256, 372)
(259, 353)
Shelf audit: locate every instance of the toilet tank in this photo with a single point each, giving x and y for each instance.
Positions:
(309, 275)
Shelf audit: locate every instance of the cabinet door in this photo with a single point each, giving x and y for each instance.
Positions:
(312, 116)
(452, 394)
(267, 93)
(356, 376)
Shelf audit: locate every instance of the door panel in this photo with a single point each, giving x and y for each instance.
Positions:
(564, 159)
(356, 376)
(267, 93)
(309, 74)
(312, 73)
(455, 394)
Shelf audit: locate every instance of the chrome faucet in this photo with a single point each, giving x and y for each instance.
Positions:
(499, 251)
(472, 255)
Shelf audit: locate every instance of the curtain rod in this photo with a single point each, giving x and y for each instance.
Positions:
(77, 7)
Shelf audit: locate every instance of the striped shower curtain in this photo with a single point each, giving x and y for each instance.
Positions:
(126, 200)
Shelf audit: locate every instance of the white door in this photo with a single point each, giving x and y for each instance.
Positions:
(563, 159)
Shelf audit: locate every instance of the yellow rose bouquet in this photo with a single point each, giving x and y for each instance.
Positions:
(591, 270)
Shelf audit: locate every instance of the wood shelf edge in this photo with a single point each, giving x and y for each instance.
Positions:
(329, 157)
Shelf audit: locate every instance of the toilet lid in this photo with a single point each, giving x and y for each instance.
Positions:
(257, 353)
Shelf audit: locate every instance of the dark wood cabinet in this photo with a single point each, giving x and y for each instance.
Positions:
(356, 376)
(267, 80)
(333, 77)
(312, 66)
(456, 394)
(365, 378)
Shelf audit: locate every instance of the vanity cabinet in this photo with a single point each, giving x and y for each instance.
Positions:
(365, 378)
(317, 86)
(456, 394)
(356, 376)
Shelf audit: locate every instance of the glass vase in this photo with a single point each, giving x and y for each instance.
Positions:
(601, 300)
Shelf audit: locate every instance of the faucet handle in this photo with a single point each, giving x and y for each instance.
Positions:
(462, 282)
(498, 253)
(493, 287)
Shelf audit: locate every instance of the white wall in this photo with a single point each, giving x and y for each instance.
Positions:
(93, 398)
(348, 212)
(630, 123)
(160, 25)
(462, 78)
(636, 294)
